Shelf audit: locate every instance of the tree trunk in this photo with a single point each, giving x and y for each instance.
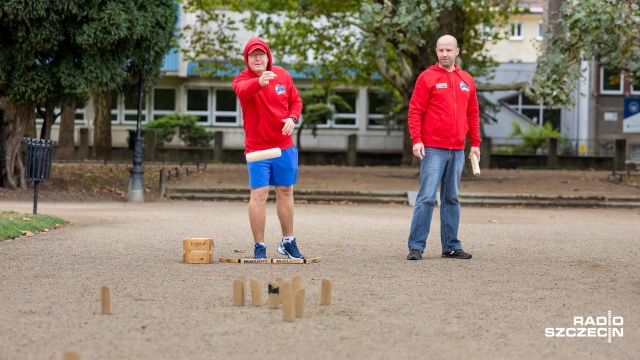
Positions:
(14, 167)
(66, 143)
(102, 126)
(30, 129)
(49, 117)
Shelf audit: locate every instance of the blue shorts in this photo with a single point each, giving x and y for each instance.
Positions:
(280, 171)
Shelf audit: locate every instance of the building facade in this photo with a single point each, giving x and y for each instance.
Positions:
(590, 127)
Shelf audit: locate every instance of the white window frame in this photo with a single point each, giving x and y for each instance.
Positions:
(217, 113)
(373, 116)
(162, 113)
(120, 111)
(610, 92)
(80, 111)
(518, 33)
(145, 111)
(540, 35)
(634, 91)
(354, 115)
(199, 113)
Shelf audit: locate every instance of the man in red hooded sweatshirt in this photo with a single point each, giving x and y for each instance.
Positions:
(271, 107)
(442, 111)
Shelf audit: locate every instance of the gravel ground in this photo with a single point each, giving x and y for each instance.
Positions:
(531, 269)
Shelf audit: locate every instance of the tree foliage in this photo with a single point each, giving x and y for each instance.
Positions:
(534, 138)
(604, 31)
(364, 42)
(55, 52)
(186, 127)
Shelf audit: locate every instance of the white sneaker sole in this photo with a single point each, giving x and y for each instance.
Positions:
(282, 251)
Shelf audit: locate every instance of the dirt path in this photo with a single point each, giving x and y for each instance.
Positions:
(532, 269)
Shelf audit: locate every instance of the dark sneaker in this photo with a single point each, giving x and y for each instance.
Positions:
(290, 249)
(456, 254)
(414, 254)
(259, 252)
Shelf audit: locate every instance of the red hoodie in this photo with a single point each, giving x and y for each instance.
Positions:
(263, 108)
(443, 108)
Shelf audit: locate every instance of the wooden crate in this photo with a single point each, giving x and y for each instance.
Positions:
(197, 250)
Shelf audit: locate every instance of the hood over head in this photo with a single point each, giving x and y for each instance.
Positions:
(254, 44)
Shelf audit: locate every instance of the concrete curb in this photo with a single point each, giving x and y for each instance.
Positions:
(408, 197)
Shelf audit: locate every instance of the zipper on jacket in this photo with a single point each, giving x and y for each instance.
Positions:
(455, 110)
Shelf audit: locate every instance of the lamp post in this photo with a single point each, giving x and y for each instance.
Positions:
(136, 186)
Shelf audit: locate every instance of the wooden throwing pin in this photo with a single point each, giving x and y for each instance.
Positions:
(296, 283)
(238, 292)
(273, 299)
(299, 302)
(256, 293)
(288, 307)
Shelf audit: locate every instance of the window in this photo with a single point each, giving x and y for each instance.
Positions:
(114, 107)
(164, 102)
(198, 104)
(124, 108)
(130, 108)
(540, 31)
(345, 116)
(635, 87)
(226, 107)
(487, 32)
(516, 31)
(80, 112)
(610, 82)
(538, 114)
(375, 118)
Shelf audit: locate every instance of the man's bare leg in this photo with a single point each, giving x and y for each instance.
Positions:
(258, 213)
(284, 203)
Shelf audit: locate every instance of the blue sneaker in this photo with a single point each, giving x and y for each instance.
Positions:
(259, 252)
(290, 249)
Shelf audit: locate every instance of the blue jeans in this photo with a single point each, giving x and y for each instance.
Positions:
(438, 167)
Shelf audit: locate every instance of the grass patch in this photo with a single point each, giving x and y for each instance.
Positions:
(14, 224)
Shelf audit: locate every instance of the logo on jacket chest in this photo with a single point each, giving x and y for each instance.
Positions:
(280, 89)
(463, 86)
(441, 86)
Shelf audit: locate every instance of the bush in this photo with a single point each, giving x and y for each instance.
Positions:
(185, 125)
(535, 138)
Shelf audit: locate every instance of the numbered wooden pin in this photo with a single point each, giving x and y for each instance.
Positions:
(284, 288)
(256, 293)
(296, 283)
(105, 300)
(288, 307)
(299, 302)
(273, 298)
(238, 292)
(325, 292)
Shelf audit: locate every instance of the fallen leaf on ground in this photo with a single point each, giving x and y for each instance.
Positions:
(45, 230)
(238, 251)
(26, 219)
(26, 233)
(56, 226)
(493, 221)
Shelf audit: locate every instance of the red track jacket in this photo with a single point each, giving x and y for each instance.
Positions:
(263, 108)
(443, 109)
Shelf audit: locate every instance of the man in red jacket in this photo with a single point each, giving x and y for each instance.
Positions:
(442, 110)
(271, 107)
